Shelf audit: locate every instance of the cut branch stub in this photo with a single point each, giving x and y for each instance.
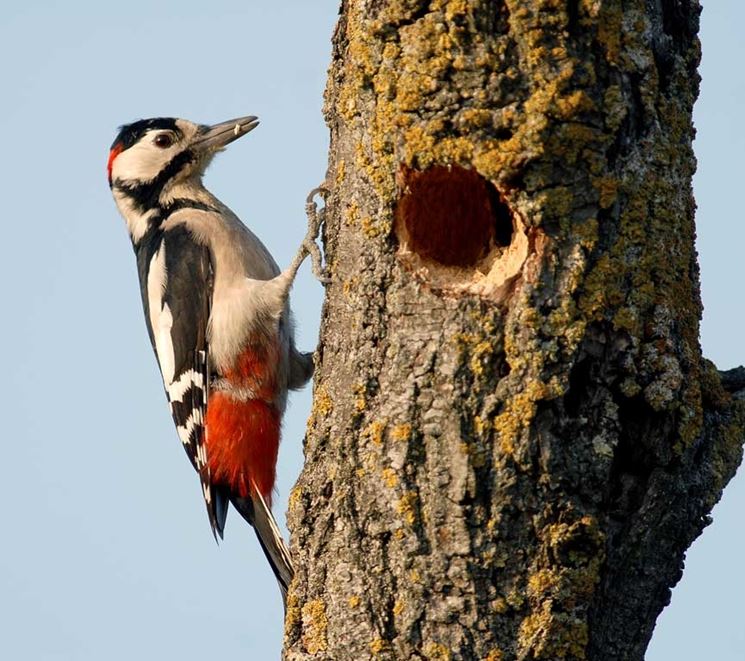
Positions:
(457, 233)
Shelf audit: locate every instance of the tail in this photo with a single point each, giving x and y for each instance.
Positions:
(257, 513)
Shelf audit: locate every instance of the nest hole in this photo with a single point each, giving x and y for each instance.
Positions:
(452, 216)
(457, 233)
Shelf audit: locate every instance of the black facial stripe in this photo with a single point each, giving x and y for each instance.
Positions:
(129, 134)
(184, 203)
(145, 196)
(165, 211)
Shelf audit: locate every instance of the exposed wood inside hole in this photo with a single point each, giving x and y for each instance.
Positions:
(457, 232)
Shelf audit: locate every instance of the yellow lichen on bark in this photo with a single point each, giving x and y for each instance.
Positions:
(315, 625)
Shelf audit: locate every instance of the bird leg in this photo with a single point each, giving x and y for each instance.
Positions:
(315, 219)
(309, 247)
(277, 289)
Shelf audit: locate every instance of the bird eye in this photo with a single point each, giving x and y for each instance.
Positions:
(163, 140)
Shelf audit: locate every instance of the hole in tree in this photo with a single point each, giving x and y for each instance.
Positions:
(452, 216)
(502, 217)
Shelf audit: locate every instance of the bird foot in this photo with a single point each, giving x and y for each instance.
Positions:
(316, 218)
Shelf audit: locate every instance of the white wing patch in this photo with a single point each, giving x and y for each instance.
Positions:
(164, 345)
(161, 320)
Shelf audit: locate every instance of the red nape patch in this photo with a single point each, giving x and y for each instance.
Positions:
(115, 151)
(242, 443)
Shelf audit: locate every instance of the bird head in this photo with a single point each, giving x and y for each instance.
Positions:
(163, 150)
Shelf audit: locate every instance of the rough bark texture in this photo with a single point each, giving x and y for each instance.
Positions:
(514, 436)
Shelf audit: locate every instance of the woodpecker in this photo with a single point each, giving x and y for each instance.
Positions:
(217, 313)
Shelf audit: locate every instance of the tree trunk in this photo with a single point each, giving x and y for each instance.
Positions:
(514, 436)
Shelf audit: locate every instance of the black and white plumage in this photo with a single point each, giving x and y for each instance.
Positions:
(177, 316)
(217, 315)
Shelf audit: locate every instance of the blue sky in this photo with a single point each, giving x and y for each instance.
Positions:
(107, 552)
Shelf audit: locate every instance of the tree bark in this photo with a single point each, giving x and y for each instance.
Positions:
(514, 436)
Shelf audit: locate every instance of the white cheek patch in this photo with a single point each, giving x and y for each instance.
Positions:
(161, 319)
(142, 162)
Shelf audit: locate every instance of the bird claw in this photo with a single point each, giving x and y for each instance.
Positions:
(315, 220)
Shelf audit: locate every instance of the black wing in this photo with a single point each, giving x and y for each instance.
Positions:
(176, 276)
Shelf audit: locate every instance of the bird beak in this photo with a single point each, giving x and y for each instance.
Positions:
(218, 136)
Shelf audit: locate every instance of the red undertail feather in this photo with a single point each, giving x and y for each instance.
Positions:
(243, 435)
(242, 443)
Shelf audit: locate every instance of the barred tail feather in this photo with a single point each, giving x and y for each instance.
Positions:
(256, 511)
